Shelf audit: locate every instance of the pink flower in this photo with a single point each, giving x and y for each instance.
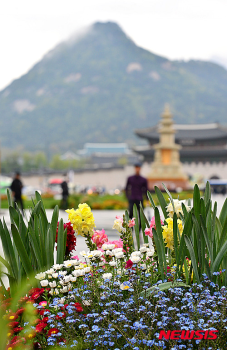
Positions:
(118, 244)
(119, 218)
(99, 238)
(129, 264)
(75, 257)
(148, 232)
(131, 223)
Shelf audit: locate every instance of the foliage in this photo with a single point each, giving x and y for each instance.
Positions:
(30, 247)
(88, 82)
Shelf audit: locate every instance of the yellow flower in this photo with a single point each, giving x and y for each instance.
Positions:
(82, 219)
(168, 232)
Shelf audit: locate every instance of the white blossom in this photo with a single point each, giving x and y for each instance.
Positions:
(44, 283)
(135, 259)
(40, 276)
(107, 276)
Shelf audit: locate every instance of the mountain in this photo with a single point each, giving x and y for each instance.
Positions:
(100, 87)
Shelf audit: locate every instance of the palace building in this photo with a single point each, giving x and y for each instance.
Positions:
(203, 147)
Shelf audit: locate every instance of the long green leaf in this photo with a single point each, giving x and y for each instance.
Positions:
(8, 248)
(137, 226)
(164, 286)
(192, 256)
(144, 223)
(219, 257)
(151, 199)
(159, 232)
(205, 235)
(162, 201)
(159, 253)
(196, 201)
(223, 213)
(60, 243)
(9, 197)
(21, 250)
(207, 193)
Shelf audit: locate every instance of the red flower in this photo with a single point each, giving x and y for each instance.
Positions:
(20, 311)
(41, 312)
(60, 317)
(129, 264)
(18, 329)
(40, 326)
(71, 239)
(35, 293)
(13, 324)
(52, 331)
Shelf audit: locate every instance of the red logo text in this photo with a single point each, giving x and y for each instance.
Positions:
(187, 335)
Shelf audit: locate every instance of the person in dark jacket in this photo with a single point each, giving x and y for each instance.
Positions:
(65, 193)
(136, 189)
(16, 188)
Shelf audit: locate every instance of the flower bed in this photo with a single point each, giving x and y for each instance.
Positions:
(168, 292)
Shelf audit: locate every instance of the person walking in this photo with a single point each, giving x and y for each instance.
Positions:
(136, 189)
(16, 188)
(65, 193)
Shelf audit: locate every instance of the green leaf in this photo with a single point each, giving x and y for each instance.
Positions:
(162, 201)
(223, 213)
(9, 197)
(218, 259)
(196, 201)
(61, 243)
(170, 196)
(137, 228)
(192, 256)
(8, 248)
(21, 250)
(175, 236)
(151, 199)
(207, 193)
(164, 286)
(144, 223)
(159, 252)
(160, 236)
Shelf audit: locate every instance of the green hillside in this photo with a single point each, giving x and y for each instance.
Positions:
(101, 87)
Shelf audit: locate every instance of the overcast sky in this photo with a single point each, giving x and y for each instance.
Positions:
(176, 29)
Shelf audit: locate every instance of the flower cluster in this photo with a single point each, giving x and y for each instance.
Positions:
(82, 220)
(176, 207)
(168, 232)
(70, 239)
(148, 230)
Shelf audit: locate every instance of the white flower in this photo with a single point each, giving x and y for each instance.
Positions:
(55, 275)
(40, 276)
(146, 245)
(73, 279)
(119, 255)
(135, 259)
(143, 267)
(50, 271)
(117, 250)
(143, 249)
(177, 208)
(102, 263)
(125, 286)
(57, 266)
(136, 253)
(112, 263)
(109, 252)
(53, 284)
(83, 253)
(97, 253)
(107, 276)
(104, 246)
(64, 289)
(86, 302)
(62, 273)
(117, 225)
(75, 262)
(61, 301)
(150, 252)
(67, 279)
(68, 263)
(76, 273)
(87, 269)
(44, 283)
(110, 246)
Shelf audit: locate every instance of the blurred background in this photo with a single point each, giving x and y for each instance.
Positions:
(83, 85)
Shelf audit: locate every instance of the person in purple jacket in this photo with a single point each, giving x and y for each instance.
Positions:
(136, 189)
